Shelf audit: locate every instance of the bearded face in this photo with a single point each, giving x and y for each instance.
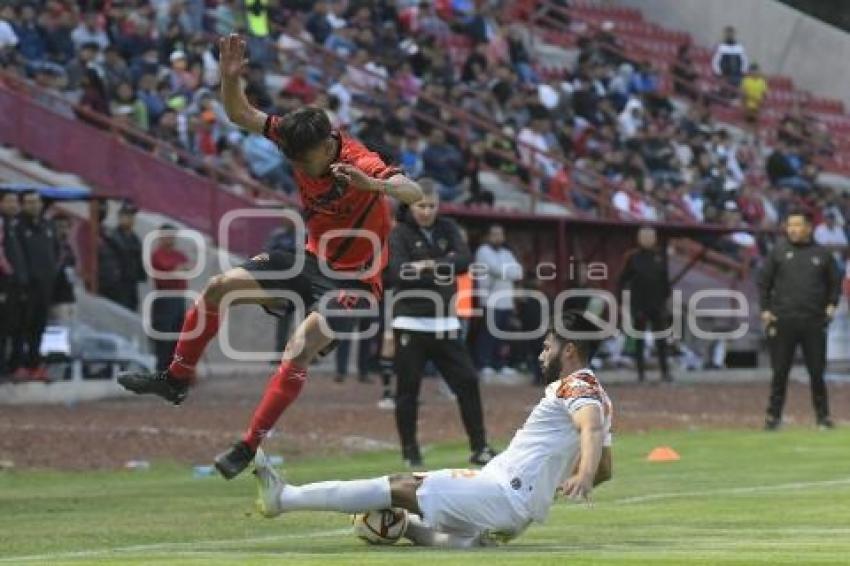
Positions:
(550, 358)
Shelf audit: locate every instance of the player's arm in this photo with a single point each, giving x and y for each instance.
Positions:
(398, 186)
(604, 471)
(239, 110)
(588, 421)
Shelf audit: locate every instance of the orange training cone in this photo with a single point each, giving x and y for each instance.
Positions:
(663, 454)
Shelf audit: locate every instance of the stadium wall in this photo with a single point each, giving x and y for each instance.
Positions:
(782, 40)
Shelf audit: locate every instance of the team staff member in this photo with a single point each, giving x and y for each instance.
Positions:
(13, 280)
(645, 275)
(798, 291)
(426, 252)
(40, 246)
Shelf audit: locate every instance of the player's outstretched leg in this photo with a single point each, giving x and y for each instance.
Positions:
(275, 496)
(200, 325)
(282, 389)
(269, 486)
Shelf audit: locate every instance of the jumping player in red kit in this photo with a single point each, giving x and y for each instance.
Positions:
(343, 186)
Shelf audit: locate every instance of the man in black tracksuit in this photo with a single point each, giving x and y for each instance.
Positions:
(40, 247)
(13, 281)
(645, 275)
(799, 291)
(129, 248)
(426, 253)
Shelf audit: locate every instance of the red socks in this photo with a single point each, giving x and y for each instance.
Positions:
(281, 390)
(199, 327)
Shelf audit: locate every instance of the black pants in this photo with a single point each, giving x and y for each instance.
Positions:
(657, 321)
(8, 318)
(412, 351)
(784, 336)
(166, 316)
(34, 308)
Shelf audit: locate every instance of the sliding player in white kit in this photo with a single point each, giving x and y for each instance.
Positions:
(563, 447)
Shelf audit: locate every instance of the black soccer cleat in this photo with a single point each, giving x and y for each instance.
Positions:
(825, 423)
(412, 457)
(483, 456)
(772, 424)
(161, 384)
(234, 460)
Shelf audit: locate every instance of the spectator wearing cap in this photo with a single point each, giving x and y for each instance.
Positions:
(167, 308)
(89, 31)
(181, 79)
(39, 244)
(130, 257)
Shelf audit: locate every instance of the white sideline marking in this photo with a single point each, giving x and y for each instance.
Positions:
(729, 491)
(195, 545)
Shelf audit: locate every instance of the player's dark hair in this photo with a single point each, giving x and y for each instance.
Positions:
(573, 326)
(303, 130)
(806, 214)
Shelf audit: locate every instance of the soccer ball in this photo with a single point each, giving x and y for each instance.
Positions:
(380, 527)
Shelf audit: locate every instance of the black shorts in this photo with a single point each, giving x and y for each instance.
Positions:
(332, 297)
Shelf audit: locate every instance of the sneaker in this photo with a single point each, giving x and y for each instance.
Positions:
(161, 384)
(412, 457)
(826, 424)
(230, 463)
(772, 424)
(269, 486)
(507, 371)
(483, 456)
(488, 371)
(387, 404)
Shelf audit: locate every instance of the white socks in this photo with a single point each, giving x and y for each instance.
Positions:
(344, 496)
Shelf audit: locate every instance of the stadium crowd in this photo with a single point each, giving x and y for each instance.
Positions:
(602, 134)
(396, 69)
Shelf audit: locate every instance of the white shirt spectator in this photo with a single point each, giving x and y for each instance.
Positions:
(82, 35)
(631, 118)
(729, 50)
(341, 91)
(548, 96)
(502, 271)
(294, 46)
(8, 37)
(530, 145)
(826, 236)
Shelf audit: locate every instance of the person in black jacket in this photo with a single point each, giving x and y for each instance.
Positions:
(426, 252)
(13, 282)
(130, 257)
(63, 291)
(799, 290)
(645, 275)
(39, 244)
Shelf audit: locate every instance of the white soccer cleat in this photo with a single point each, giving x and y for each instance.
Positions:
(269, 486)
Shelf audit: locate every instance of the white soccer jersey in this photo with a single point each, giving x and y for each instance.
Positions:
(543, 452)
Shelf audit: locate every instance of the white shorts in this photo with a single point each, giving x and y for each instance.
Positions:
(468, 502)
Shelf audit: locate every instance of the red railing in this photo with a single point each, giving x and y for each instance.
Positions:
(118, 160)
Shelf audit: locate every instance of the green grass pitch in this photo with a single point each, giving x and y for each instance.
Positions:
(736, 497)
